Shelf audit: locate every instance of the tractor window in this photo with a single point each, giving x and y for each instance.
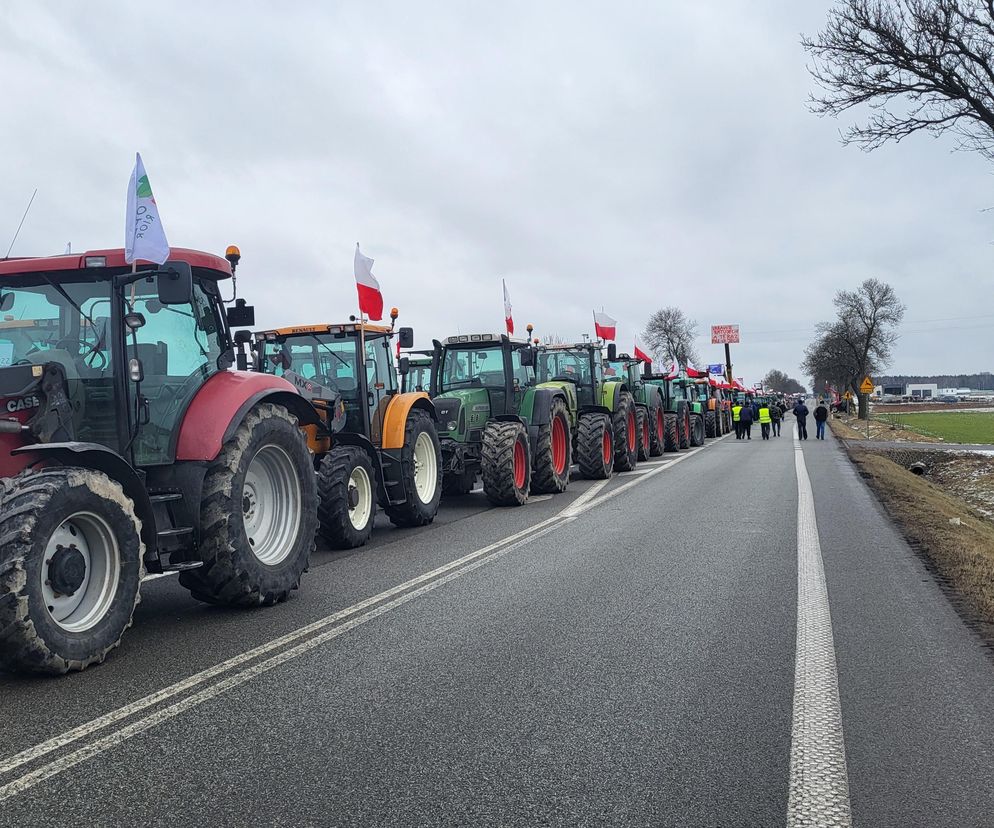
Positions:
(419, 379)
(328, 361)
(472, 367)
(570, 364)
(179, 347)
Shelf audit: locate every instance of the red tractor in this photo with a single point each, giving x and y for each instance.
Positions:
(129, 446)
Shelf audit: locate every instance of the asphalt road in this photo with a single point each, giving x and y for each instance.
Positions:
(622, 654)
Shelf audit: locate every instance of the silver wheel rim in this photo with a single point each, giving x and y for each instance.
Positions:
(425, 468)
(359, 482)
(93, 539)
(271, 503)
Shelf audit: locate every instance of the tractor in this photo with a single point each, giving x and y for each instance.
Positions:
(372, 444)
(418, 376)
(607, 434)
(676, 416)
(649, 403)
(128, 447)
(497, 421)
(684, 388)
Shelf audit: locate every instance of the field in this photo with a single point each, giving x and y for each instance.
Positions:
(951, 427)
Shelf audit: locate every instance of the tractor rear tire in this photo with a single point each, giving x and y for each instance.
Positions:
(657, 432)
(595, 446)
(684, 423)
(458, 484)
(626, 435)
(258, 515)
(696, 430)
(672, 437)
(506, 463)
(346, 497)
(82, 519)
(710, 425)
(421, 469)
(643, 430)
(554, 454)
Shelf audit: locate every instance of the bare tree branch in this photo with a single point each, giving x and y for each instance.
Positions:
(670, 336)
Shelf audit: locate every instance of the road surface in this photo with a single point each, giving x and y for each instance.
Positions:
(628, 653)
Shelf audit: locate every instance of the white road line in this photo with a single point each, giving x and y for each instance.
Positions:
(819, 782)
(313, 635)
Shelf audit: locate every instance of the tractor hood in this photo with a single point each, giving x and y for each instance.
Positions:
(19, 402)
(461, 412)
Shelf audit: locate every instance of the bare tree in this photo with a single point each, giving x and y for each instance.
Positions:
(860, 340)
(920, 65)
(670, 336)
(779, 381)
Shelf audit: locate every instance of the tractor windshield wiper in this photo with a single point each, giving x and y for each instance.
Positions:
(99, 337)
(325, 346)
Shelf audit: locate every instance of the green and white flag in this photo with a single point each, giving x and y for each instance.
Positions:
(144, 236)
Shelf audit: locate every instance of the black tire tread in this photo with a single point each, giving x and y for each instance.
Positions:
(589, 446)
(544, 477)
(624, 460)
(497, 463)
(412, 512)
(333, 491)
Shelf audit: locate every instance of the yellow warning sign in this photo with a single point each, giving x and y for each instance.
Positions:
(866, 387)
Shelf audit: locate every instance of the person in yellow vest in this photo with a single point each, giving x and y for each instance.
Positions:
(736, 420)
(765, 419)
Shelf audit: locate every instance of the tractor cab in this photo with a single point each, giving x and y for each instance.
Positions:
(417, 376)
(581, 364)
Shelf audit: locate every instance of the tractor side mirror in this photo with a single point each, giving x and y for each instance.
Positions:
(404, 366)
(528, 357)
(133, 321)
(405, 336)
(612, 352)
(241, 315)
(175, 283)
(6, 302)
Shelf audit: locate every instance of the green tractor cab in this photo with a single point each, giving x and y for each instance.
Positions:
(607, 434)
(417, 376)
(497, 420)
(687, 389)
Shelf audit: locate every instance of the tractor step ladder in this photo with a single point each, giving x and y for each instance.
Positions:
(173, 533)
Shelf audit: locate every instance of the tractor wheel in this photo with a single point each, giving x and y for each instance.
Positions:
(696, 430)
(506, 466)
(346, 497)
(458, 484)
(684, 422)
(421, 461)
(657, 433)
(554, 455)
(710, 425)
(258, 514)
(626, 435)
(672, 436)
(71, 565)
(595, 446)
(643, 430)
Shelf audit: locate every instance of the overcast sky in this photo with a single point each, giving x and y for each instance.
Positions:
(624, 155)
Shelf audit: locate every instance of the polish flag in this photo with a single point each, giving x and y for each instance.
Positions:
(370, 298)
(604, 326)
(508, 319)
(640, 354)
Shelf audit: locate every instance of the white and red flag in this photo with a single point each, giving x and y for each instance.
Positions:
(370, 298)
(604, 326)
(640, 354)
(508, 318)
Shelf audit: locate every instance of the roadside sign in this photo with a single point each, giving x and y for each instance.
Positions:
(866, 387)
(724, 334)
(716, 368)
(847, 395)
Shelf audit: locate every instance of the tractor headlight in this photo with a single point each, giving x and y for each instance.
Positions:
(451, 425)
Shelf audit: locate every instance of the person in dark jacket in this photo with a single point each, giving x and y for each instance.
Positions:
(821, 414)
(745, 421)
(801, 415)
(776, 415)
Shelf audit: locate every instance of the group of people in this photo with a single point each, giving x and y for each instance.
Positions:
(770, 413)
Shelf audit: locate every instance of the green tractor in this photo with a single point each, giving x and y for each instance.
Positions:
(676, 411)
(607, 434)
(418, 376)
(498, 421)
(685, 388)
(650, 404)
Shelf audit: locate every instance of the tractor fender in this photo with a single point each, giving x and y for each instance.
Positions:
(395, 421)
(221, 404)
(542, 405)
(610, 396)
(595, 409)
(102, 459)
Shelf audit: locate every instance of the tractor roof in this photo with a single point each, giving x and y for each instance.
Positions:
(481, 340)
(571, 346)
(207, 264)
(326, 328)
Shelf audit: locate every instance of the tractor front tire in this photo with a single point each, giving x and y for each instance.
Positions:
(672, 438)
(346, 497)
(626, 435)
(657, 432)
(506, 463)
(696, 430)
(595, 446)
(554, 455)
(258, 515)
(710, 425)
(642, 424)
(71, 564)
(684, 423)
(421, 469)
